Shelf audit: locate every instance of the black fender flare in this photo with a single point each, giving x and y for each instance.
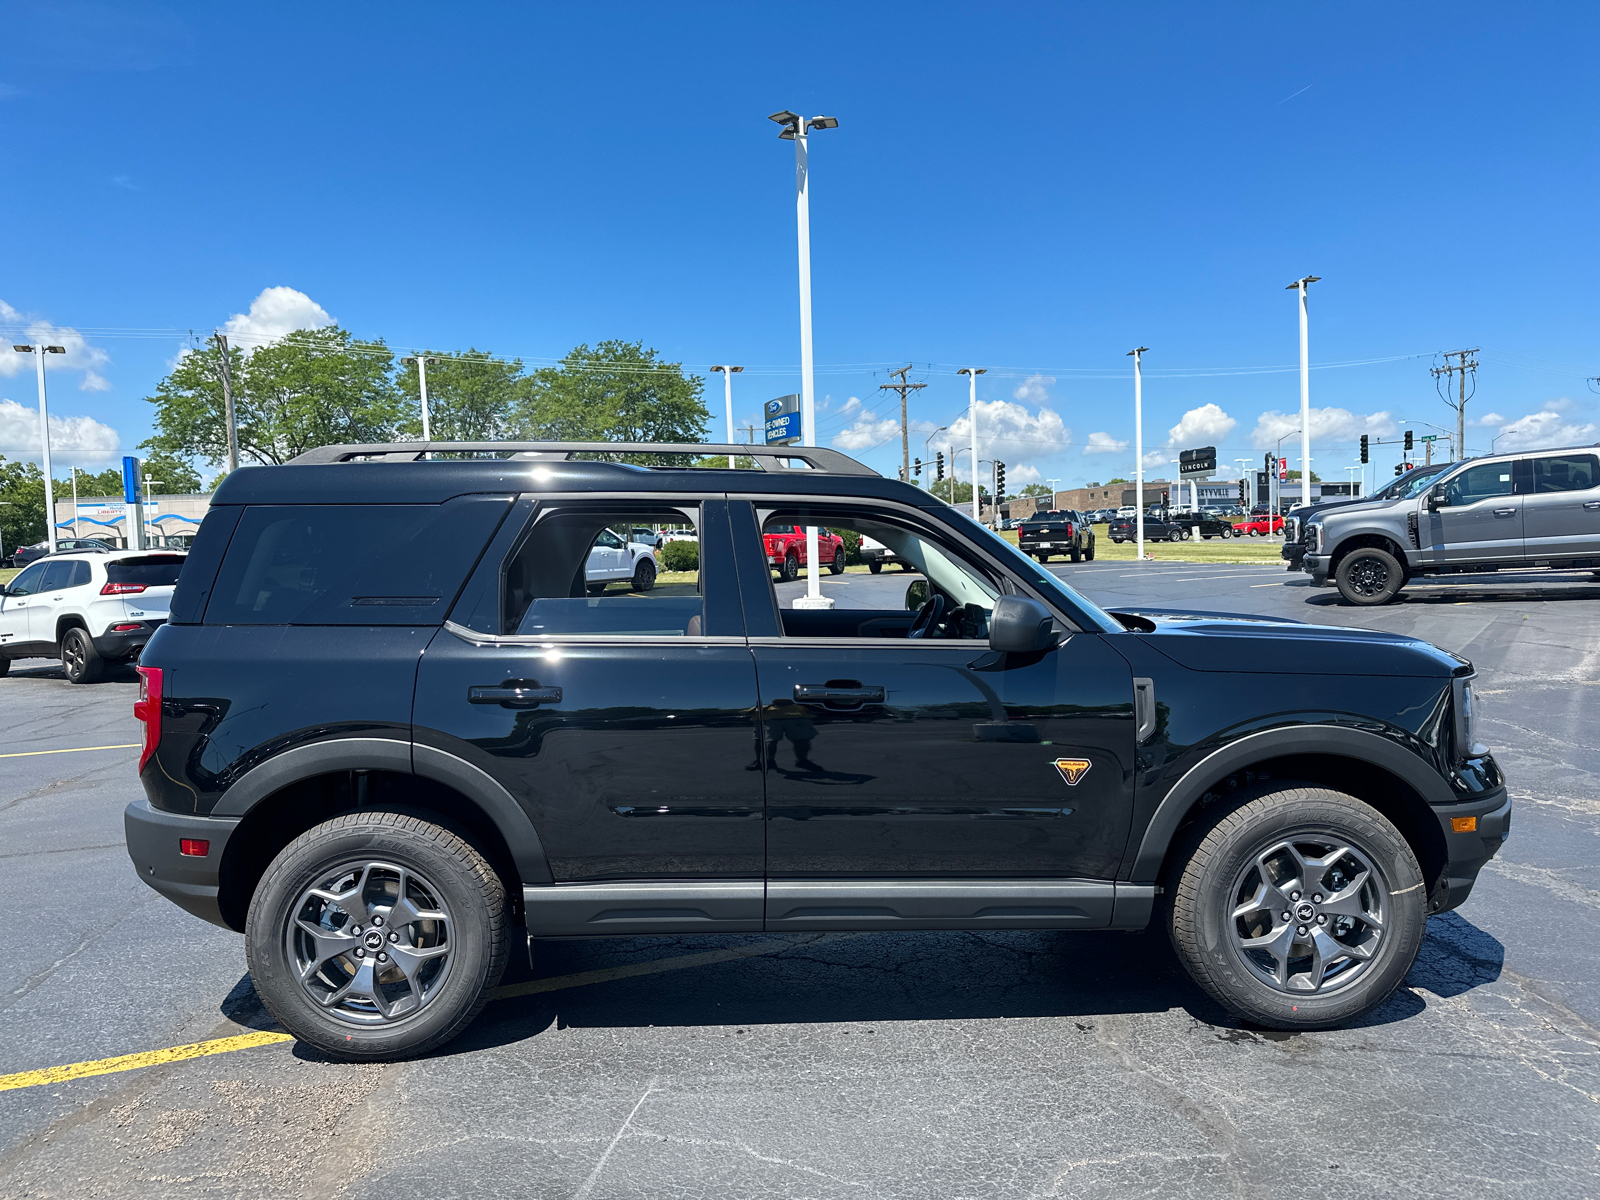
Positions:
(1338, 740)
(391, 754)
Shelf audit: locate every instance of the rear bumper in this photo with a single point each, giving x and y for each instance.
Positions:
(1470, 849)
(189, 882)
(126, 643)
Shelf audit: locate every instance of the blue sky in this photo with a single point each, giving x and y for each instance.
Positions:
(1031, 188)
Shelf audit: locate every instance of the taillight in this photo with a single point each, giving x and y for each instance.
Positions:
(148, 709)
(122, 589)
(194, 847)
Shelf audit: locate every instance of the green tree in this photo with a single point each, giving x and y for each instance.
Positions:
(21, 504)
(316, 387)
(1118, 479)
(471, 397)
(1036, 489)
(1295, 475)
(615, 392)
(957, 492)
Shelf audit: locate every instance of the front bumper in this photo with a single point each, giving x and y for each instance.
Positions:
(189, 882)
(1316, 566)
(1469, 849)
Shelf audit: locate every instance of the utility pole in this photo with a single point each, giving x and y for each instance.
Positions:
(905, 430)
(751, 431)
(1461, 367)
(727, 397)
(227, 404)
(1138, 446)
(972, 374)
(1301, 285)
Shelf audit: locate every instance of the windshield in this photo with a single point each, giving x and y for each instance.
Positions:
(1410, 484)
(1073, 601)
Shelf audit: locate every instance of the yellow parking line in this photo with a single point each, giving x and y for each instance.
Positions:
(73, 750)
(246, 1041)
(133, 1062)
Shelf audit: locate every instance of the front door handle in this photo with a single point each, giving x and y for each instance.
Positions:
(1591, 504)
(1505, 512)
(515, 693)
(836, 696)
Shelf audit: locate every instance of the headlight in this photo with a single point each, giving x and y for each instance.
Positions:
(1313, 538)
(1467, 743)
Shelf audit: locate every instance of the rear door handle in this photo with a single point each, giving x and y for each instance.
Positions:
(1505, 512)
(514, 693)
(837, 697)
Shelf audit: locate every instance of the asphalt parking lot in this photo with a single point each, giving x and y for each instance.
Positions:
(895, 1065)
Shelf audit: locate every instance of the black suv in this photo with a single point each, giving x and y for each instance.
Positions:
(1059, 531)
(388, 733)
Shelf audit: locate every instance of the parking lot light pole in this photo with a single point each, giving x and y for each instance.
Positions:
(1138, 448)
(727, 395)
(1305, 386)
(972, 374)
(44, 439)
(795, 129)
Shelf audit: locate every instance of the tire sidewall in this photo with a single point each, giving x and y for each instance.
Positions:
(1312, 813)
(644, 575)
(1392, 584)
(474, 957)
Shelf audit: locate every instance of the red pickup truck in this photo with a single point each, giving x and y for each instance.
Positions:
(786, 550)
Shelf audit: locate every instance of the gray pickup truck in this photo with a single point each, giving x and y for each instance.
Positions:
(1536, 508)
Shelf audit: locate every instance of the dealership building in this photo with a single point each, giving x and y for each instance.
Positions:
(109, 517)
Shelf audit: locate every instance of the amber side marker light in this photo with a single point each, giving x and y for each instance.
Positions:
(194, 847)
(1464, 824)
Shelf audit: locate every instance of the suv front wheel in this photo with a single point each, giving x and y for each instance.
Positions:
(377, 936)
(1302, 908)
(1368, 575)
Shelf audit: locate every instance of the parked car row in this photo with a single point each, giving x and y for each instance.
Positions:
(1172, 527)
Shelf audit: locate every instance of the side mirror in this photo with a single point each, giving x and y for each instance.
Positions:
(917, 595)
(1437, 498)
(1019, 625)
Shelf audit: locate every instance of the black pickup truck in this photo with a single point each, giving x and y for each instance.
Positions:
(389, 736)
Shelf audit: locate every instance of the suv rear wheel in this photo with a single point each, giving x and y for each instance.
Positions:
(1302, 908)
(377, 935)
(1368, 575)
(79, 658)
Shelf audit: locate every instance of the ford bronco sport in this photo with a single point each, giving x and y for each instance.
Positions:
(386, 767)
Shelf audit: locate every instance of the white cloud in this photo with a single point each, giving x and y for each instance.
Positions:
(1327, 425)
(79, 356)
(867, 432)
(1489, 419)
(78, 441)
(1011, 432)
(1034, 388)
(1199, 426)
(1021, 476)
(275, 313)
(1545, 429)
(1157, 460)
(850, 405)
(1104, 443)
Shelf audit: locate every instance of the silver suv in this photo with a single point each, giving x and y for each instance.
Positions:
(1532, 509)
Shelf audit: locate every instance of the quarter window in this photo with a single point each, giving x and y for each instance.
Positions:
(1566, 473)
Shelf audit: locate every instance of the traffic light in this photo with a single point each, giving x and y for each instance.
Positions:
(999, 482)
(1164, 498)
(1408, 442)
(1244, 494)
(1266, 462)
(916, 467)
(1399, 468)
(1363, 447)
(938, 467)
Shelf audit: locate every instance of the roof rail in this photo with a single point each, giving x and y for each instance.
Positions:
(768, 458)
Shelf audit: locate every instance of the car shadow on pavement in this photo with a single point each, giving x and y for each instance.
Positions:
(862, 978)
(49, 668)
(1471, 593)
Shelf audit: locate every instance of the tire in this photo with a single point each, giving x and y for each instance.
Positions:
(594, 589)
(1225, 532)
(644, 575)
(1043, 558)
(1280, 829)
(1076, 555)
(1088, 555)
(443, 873)
(1369, 576)
(5, 667)
(1175, 536)
(79, 658)
(874, 566)
(836, 567)
(791, 567)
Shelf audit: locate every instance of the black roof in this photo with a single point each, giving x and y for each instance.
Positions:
(397, 473)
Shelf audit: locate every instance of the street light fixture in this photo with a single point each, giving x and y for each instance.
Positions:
(972, 374)
(727, 394)
(44, 439)
(1305, 386)
(422, 387)
(1138, 447)
(795, 128)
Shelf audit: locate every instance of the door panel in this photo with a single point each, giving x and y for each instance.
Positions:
(1482, 521)
(1562, 515)
(952, 774)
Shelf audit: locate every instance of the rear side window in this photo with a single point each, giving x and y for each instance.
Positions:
(158, 570)
(351, 564)
(1566, 473)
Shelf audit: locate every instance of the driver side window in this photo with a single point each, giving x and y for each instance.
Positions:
(1480, 483)
(30, 581)
(925, 585)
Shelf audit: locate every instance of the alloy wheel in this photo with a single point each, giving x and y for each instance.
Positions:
(370, 942)
(1368, 576)
(1308, 914)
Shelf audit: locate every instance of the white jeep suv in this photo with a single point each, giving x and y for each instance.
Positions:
(86, 608)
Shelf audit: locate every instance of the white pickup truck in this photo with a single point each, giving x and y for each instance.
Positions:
(875, 554)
